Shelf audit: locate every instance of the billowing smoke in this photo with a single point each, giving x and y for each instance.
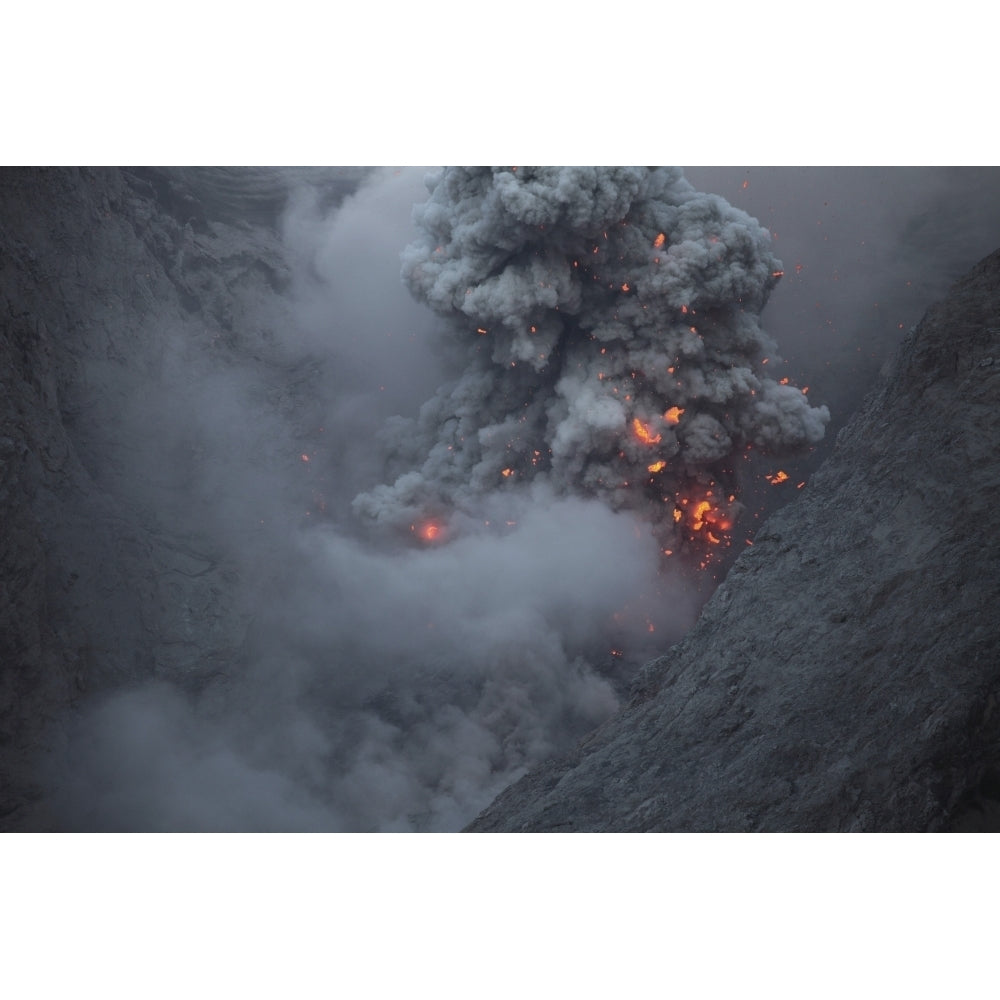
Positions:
(322, 676)
(605, 322)
(373, 684)
(382, 689)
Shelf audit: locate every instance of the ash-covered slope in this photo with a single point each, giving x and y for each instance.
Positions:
(846, 675)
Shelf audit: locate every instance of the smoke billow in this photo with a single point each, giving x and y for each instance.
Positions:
(606, 326)
(376, 685)
(415, 604)
(387, 689)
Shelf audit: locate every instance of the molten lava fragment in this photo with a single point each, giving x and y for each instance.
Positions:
(644, 434)
(430, 531)
(711, 523)
(698, 517)
(673, 415)
(656, 466)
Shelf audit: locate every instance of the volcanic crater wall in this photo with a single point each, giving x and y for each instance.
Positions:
(112, 568)
(846, 675)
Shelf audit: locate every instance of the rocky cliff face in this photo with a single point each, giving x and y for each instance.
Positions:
(113, 284)
(846, 675)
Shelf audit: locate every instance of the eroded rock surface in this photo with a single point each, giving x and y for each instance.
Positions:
(846, 675)
(113, 568)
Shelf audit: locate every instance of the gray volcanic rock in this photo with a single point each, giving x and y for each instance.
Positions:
(117, 288)
(846, 675)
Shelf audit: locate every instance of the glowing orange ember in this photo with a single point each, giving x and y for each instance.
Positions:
(644, 434)
(706, 522)
(625, 286)
(661, 238)
(656, 466)
(673, 415)
(779, 477)
(429, 531)
(480, 330)
(698, 517)
(506, 472)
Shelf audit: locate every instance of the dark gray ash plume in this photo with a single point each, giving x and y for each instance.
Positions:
(605, 324)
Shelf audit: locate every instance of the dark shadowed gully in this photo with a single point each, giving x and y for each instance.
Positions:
(846, 675)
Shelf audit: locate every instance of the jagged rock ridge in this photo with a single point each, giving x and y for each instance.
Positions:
(846, 675)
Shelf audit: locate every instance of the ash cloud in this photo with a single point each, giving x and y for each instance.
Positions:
(382, 683)
(606, 323)
(388, 680)
(866, 250)
(382, 689)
